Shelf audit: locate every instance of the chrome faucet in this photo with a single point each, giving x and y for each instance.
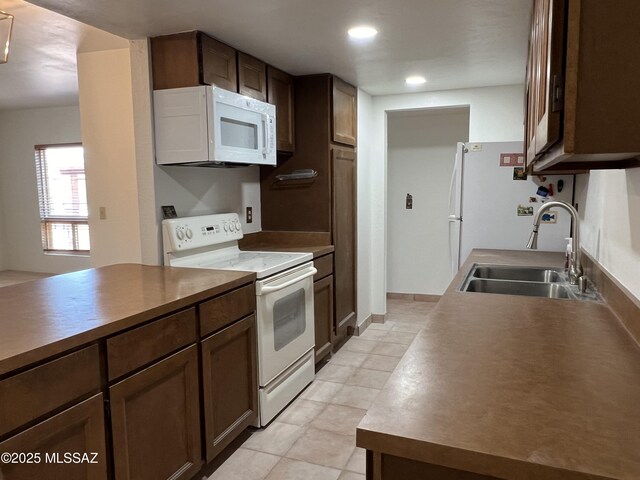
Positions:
(576, 274)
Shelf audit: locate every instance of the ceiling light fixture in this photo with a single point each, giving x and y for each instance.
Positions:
(6, 26)
(416, 80)
(362, 31)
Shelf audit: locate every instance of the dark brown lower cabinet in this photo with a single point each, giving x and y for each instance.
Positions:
(155, 421)
(323, 312)
(389, 467)
(77, 431)
(230, 383)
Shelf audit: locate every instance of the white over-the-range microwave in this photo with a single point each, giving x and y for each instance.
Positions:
(209, 126)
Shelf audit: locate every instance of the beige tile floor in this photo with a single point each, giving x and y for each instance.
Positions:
(12, 277)
(314, 438)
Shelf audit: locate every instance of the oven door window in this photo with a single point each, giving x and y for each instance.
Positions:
(289, 319)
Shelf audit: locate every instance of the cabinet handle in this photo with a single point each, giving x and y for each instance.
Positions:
(298, 175)
(557, 93)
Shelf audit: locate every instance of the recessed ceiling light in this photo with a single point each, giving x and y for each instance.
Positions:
(362, 31)
(416, 80)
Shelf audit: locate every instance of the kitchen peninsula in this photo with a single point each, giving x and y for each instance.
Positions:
(125, 362)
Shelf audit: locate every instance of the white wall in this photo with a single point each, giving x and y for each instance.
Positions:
(149, 217)
(364, 261)
(420, 159)
(20, 131)
(106, 112)
(496, 115)
(202, 190)
(609, 205)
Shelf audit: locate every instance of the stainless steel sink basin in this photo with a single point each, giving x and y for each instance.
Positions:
(531, 289)
(545, 282)
(524, 274)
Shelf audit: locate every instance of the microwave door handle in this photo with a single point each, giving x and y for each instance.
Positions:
(262, 290)
(264, 135)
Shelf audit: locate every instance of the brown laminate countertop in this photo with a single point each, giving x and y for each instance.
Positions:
(514, 387)
(43, 318)
(317, 250)
(317, 243)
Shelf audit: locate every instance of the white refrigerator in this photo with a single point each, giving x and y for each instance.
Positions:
(488, 208)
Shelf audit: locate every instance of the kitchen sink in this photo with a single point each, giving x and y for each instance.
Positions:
(547, 282)
(524, 274)
(530, 289)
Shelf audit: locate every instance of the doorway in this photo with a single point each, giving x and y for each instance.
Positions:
(421, 149)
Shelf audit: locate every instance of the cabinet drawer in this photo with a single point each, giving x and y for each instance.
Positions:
(324, 265)
(145, 344)
(225, 309)
(36, 392)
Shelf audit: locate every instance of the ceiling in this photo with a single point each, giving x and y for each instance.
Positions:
(453, 43)
(42, 59)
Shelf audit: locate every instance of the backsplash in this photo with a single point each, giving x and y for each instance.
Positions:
(609, 202)
(201, 191)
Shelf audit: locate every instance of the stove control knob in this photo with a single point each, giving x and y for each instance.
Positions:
(238, 226)
(189, 233)
(226, 227)
(179, 233)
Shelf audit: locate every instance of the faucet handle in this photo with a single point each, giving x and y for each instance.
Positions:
(582, 283)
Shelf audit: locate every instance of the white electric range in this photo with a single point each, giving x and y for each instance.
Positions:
(284, 303)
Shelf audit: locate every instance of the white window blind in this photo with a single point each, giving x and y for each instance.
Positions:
(62, 195)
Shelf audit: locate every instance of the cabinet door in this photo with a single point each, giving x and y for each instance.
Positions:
(155, 421)
(174, 61)
(78, 430)
(252, 77)
(219, 64)
(344, 237)
(545, 100)
(230, 383)
(344, 112)
(323, 316)
(280, 94)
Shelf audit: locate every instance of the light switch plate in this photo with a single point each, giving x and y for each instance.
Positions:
(475, 147)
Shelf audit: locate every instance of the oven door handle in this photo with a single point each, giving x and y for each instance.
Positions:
(264, 289)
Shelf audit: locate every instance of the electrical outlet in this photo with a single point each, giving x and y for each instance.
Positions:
(103, 213)
(249, 214)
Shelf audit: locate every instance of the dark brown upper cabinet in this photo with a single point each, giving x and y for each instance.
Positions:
(252, 77)
(280, 94)
(582, 86)
(324, 105)
(344, 112)
(190, 59)
(219, 63)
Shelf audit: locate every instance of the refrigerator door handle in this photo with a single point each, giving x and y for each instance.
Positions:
(451, 189)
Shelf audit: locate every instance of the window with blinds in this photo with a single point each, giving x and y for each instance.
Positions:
(62, 194)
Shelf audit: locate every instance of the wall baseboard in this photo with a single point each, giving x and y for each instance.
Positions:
(413, 297)
(362, 326)
(620, 300)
